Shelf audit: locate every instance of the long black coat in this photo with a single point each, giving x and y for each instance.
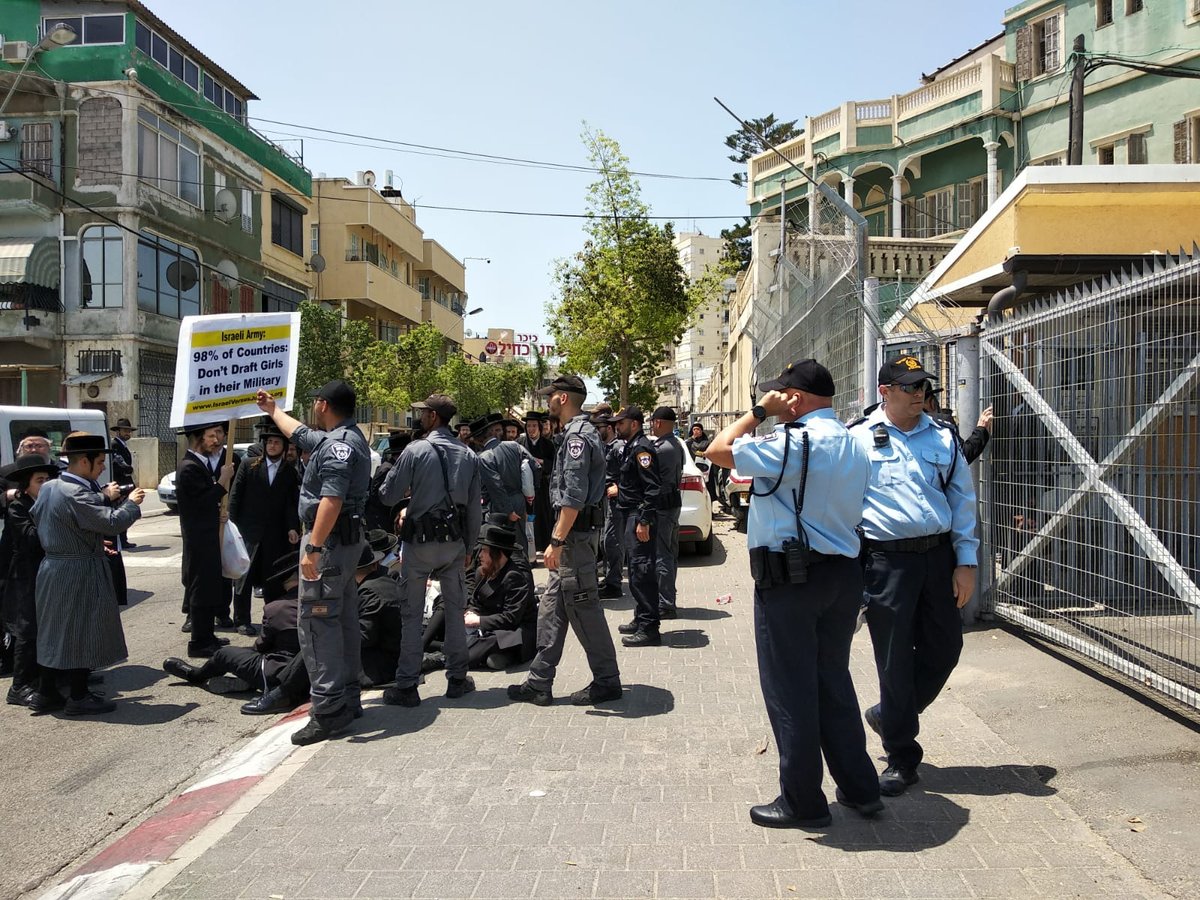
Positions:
(279, 641)
(20, 557)
(265, 512)
(199, 499)
(120, 462)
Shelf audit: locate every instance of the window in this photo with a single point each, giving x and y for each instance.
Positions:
(107, 29)
(314, 239)
(1133, 6)
(972, 201)
(1104, 13)
(168, 158)
(939, 212)
(247, 210)
(1106, 156)
(1135, 150)
(389, 332)
(168, 277)
(37, 148)
(1039, 47)
(287, 226)
(100, 271)
(177, 62)
(423, 286)
(280, 297)
(1186, 134)
(354, 251)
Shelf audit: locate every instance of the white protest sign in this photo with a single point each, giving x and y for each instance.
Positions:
(223, 361)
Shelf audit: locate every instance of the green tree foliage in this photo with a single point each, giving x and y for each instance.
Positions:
(421, 352)
(745, 143)
(320, 358)
(621, 298)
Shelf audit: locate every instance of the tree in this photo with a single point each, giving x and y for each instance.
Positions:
(420, 354)
(745, 144)
(621, 298)
(320, 354)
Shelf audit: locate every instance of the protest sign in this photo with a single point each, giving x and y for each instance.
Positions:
(223, 361)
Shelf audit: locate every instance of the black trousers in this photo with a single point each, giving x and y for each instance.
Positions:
(478, 652)
(917, 633)
(20, 621)
(642, 560)
(803, 634)
(246, 664)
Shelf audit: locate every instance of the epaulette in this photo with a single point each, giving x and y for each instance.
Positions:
(857, 421)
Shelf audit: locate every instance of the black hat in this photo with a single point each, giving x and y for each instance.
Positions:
(903, 370)
(281, 569)
(26, 466)
(440, 404)
(479, 424)
(200, 427)
(513, 422)
(803, 375)
(628, 412)
(534, 415)
(493, 418)
(398, 439)
(381, 540)
(499, 537)
(368, 557)
(123, 423)
(337, 394)
(665, 413)
(269, 430)
(83, 442)
(572, 384)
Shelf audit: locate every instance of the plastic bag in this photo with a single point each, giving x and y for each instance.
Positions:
(235, 561)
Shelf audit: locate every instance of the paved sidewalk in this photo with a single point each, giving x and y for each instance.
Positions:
(646, 798)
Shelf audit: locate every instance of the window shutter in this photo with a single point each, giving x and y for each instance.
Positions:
(246, 298)
(1025, 53)
(965, 219)
(1183, 150)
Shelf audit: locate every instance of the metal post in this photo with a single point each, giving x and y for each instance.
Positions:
(966, 407)
(1075, 117)
(870, 354)
(24, 386)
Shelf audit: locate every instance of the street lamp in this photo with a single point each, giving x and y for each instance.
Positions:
(60, 34)
(480, 258)
(477, 309)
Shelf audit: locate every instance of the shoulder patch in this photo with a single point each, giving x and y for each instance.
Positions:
(575, 445)
(341, 451)
(644, 459)
(767, 437)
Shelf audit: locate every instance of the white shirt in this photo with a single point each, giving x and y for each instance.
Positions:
(272, 468)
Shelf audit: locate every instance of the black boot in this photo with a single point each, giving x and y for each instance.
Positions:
(273, 701)
(173, 665)
(322, 727)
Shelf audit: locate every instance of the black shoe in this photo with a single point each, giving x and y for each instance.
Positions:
(596, 693)
(433, 662)
(223, 622)
(273, 701)
(611, 592)
(19, 696)
(247, 630)
(668, 612)
(642, 639)
(874, 719)
(44, 703)
(91, 705)
(202, 651)
(867, 810)
(457, 687)
(771, 815)
(95, 679)
(127, 545)
(398, 696)
(628, 628)
(323, 727)
(895, 780)
(186, 627)
(524, 693)
(173, 665)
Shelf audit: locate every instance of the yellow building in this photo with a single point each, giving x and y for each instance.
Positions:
(288, 244)
(442, 283)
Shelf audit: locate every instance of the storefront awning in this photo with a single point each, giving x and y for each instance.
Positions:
(29, 261)
(76, 380)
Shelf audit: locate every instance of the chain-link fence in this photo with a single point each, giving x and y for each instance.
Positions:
(1091, 484)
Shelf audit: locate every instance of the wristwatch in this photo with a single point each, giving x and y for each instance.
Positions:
(312, 548)
(758, 412)
(557, 542)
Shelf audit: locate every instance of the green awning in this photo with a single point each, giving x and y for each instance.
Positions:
(29, 261)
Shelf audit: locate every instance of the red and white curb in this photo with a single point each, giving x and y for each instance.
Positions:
(143, 861)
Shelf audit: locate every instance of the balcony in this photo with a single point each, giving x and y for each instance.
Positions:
(357, 279)
(22, 195)
(913, 258)
(438, 261)
(444, 320)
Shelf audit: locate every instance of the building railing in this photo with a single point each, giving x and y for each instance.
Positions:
(826, 123)
(872, 110)
(953, 86)
(914, 258)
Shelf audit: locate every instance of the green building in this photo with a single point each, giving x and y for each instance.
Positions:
(130, 196)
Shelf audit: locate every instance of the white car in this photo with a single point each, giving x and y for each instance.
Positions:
(695, 517)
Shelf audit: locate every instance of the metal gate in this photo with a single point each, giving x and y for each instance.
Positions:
(1091, 484)
(156, 382)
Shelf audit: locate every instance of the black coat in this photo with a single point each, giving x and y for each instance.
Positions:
(379, 598)
(279, 640)
(543, 522)
(506, 601)
(199, 499)
(265, 512)
(20, 555)
(120, 462)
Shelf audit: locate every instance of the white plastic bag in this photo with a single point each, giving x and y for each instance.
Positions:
(235, 561)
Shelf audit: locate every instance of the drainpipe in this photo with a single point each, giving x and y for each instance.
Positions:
(1007, 297)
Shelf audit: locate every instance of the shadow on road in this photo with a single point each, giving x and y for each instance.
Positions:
(694, 560)
(145, 548)
(917, 821)
(381, 721)
(989, 781)
(134, 597)
(640, 702)
(702, 613)
(133, 678)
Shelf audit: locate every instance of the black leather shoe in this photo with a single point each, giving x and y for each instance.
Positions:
(247, 630)
(867, 810)
(668, 612)
(458, 687)
(273, 701)
(642, 639)
(186, 627)
(202, 651)
(595, 693)
(524, 693)
(19, 696)
(398, 696)
(611, 592)
(127, 545)
(173, 665)
(874, 719)
(91, 705)
(223, 622)
(771, 815)
(895, 780)
(44, 703)
(323, 727)
(628, 628)
(433, 661)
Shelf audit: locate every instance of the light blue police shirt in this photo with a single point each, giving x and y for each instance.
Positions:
(838, 471)
(905, 498)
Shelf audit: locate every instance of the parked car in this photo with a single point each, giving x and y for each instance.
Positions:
(734, 492)
(695, 517)
(166, 492)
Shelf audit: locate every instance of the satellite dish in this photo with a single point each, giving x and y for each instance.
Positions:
(227, 274)
(182, 275)
(317, 263)
(369, 178)
(225, 205)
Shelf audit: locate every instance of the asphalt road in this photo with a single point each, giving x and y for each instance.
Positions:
(70, 785)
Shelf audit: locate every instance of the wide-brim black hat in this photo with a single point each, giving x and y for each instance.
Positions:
(123, 423)
(282, 569)
(499, 537)
(26, 466)
(200, 428)
(534, 415)
(83, 442)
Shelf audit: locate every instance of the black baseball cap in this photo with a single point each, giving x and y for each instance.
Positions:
(803, 375)
(628, 412)
(665, 413)
(903, 370)
(337, 394)
(440, 404)
(572, 384)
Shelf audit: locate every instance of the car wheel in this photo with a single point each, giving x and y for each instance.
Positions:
(172, 507)
(705, 547)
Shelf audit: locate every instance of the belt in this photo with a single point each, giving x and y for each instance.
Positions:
(909, 545)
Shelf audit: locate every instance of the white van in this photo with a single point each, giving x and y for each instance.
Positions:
(17, 421)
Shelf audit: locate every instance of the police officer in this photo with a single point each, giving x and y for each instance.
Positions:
(333, 501)
(920, 554)
(637, 492)
(572, 594)
(614, 522)
(500, 465)
(440, 527)
(809, 479)
(670, 502)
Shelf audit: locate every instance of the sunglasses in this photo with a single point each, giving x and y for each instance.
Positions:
(921, 387)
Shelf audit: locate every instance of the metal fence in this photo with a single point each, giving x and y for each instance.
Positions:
(1090, 491)
(156, 387)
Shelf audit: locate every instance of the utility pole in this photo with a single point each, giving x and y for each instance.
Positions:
(1075, 124)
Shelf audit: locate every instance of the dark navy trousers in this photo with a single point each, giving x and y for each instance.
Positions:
(916, 630)
(641, 558)
(803, 633)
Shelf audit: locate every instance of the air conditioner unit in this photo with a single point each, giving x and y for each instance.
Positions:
(16, 51)
(5, 133)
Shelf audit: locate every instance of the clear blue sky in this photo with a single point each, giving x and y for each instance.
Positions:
(517, 78)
